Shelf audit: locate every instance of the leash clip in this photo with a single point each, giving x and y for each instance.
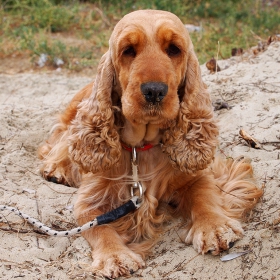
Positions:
(137, 184)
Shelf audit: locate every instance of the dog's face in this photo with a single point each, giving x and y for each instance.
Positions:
(149, 55)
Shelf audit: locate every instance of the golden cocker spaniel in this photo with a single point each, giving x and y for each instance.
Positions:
(148, 94)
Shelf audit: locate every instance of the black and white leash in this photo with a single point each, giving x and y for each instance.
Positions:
(133, 204)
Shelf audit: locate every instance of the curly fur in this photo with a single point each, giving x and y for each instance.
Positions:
(93, 139)
(191, 143)
(180, 175)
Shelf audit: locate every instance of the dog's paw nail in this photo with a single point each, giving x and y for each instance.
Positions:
(230, 244)
(53, 179)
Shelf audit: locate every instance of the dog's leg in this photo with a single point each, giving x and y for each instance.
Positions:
(57, 166)
(111, 256)
(210, 229)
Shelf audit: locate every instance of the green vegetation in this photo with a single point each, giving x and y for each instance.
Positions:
(78, 31)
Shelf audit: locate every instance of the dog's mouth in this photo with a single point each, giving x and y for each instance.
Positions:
(154, 113)
(153, 109)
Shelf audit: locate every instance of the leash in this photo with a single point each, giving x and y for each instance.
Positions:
(133, 204)
(109, 217)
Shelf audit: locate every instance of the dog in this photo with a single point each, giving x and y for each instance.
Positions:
(148, 101)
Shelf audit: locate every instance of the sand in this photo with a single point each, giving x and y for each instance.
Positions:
(28, 105)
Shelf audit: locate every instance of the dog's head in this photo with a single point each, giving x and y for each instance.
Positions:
(149, 50)
(152, 74)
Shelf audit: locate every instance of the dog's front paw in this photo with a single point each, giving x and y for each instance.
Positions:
(212, 235)
(54, 173)
(123, 262)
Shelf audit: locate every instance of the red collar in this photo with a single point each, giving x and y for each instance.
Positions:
(138, 149)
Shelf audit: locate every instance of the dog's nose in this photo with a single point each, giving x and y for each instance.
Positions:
(154, 92)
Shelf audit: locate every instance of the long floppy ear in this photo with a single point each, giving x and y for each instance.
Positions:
(190, 143)
(93, 138)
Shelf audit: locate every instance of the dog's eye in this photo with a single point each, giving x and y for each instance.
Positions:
(172, 50)
(129, 51)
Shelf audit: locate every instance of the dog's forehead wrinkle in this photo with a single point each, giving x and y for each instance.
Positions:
(130, 32)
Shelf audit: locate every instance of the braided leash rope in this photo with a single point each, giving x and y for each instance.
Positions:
(133, 204)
